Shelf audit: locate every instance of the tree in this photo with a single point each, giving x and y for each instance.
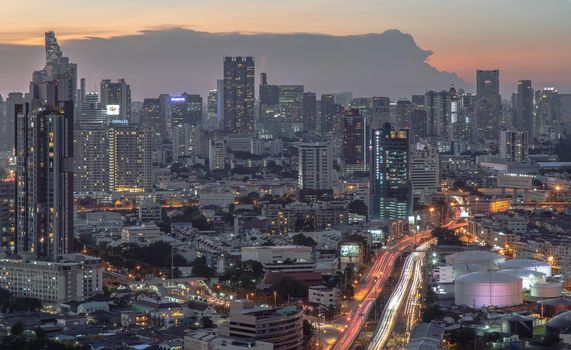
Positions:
(358, 207)
(446, 236)
(307, 333)
(301, 239)
(244, 275)
(289, 286)
(207, 322)
(201, 269)
(17, 329)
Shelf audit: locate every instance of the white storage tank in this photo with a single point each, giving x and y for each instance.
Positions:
(490, 288)
(462, 269)
(529, 278)
(546, 290)
(527, 264)
(487, 259)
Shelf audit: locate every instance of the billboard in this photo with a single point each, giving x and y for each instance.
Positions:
(377, 235)
(349, 250)
(113, 109)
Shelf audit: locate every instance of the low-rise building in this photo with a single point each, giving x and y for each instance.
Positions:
(323, 295)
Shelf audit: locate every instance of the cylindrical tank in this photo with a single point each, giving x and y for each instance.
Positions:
(487, 259)
(529, 278)
(527, 264)
(546, 290)
(490, 288)
(462, 269)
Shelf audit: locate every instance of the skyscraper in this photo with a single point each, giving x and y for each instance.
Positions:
(315, 170)
(354, 142)
(328, 110)
(488, 104)
(269, 99)
(309, 112)
(424, 170)
(116, 98)
(390, 185)
(44, 173)
(291, 104)
(547, 113)
(130, 163)
(514, 146)
(524, 107)
(4, 127)
(239, 96)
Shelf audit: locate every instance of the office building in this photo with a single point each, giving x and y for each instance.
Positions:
(115, 98)
(547, 113)
(309, 112)
(354, 142)
(44, 173)
(390, 184)
(438, 116)
(281, 327)
(291, 104)
(315, 169)
(514, 146)
(488, 104)
(211, 121)
(4, 127)
(239, 96)
(269, 99)
(151, 115)
(328, 111)
(130, 167)
(424, 171)
(523, 117)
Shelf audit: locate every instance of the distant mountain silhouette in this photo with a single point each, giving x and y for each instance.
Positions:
(177, 60)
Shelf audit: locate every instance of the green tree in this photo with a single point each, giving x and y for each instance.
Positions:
(244, 275)
(201, 269)
(289, 286)
(301, 239)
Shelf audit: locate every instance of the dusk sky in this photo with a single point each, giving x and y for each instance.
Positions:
(523, 38)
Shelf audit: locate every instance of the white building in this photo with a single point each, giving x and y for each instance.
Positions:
(145, 234)
(217, 154)
(75, 277)
(424, 170)
(315, 166)
(204, 340)
(149, 211)
(324, 295)
(281, 258)
(443, 274)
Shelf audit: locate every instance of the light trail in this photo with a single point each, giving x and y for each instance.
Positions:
(410, 280)
(375, 279)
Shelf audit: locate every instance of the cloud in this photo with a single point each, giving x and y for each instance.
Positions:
(176, 60)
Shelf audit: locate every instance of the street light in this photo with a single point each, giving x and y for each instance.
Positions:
(557, 189)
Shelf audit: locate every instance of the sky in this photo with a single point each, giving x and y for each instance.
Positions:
(525, 39)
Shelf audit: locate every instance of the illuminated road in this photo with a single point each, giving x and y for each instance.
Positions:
(409, 282)
(375, 279)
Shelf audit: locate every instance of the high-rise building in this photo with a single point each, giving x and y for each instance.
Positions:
(57, 68)
(315, 169)
(217, 153)
(211, 121)
(363, 104)
(354, 142)
(14, 98)
(488, 104)
(44, 173)
(309, 112)
(424, 171)
(130, 166)
(269, 99)
(547, 111)
(151, 115)
(291, 104)
(438, 115)
(7, 213)
(390, 184)
(91, 161)
(328, 111)
(115, 98)
(514, 146)
(239, 95)
(523, 118)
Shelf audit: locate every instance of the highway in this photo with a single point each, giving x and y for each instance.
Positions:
(409, 282)
(375, 279)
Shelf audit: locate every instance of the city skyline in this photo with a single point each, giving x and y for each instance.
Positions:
(497, 36)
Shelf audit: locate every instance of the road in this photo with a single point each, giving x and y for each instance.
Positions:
(375, 279)
(403, 297)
